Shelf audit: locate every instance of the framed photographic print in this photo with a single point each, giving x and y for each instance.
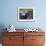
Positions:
(26, 14)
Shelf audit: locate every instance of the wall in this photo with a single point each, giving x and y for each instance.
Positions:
(8, 13)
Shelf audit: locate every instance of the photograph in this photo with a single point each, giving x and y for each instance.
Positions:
(26, 14)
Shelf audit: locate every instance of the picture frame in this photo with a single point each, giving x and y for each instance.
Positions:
(26, 14)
